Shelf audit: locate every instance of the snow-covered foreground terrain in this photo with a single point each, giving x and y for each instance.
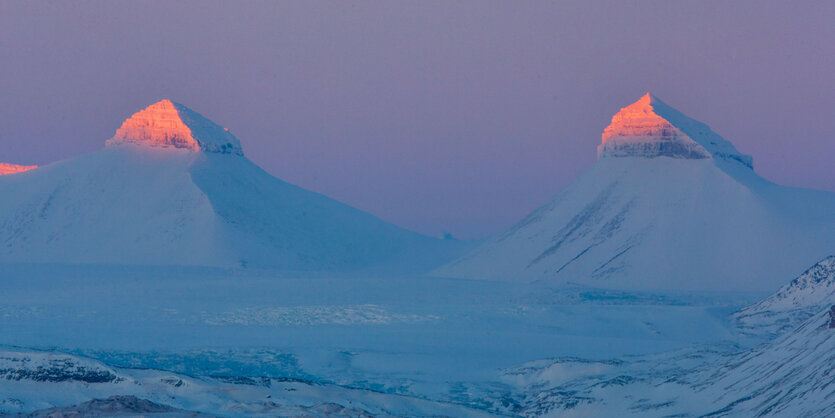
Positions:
(445, 340)
(788, 375)
(43, 380)
(177, 341)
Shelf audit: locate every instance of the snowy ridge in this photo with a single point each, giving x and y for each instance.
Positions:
(806, 295)
(52, 367)
(790, 375)
(812, 289)
(167, 124)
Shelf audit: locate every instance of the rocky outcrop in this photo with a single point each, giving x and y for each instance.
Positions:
(14, 168)
(167, 124)
(48, 367)
(636, 130)
(649, 128)
(115, 406)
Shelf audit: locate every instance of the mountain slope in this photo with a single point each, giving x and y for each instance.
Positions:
(791, 376)
(805, 296)
(665, 207)
(177, 190)
(788, 375)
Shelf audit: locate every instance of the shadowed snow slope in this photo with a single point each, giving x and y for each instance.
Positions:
(787, 376)
(791, 376)
(148, 201)
(808, 294)
(655, 216)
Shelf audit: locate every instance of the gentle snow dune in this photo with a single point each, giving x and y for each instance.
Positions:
(651, 214)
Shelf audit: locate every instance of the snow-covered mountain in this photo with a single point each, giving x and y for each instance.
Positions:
(799, 300)
(668, 205)
(815, 288)
(173, 188)
(789, 375)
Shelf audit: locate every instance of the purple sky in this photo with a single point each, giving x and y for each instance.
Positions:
(437, 116)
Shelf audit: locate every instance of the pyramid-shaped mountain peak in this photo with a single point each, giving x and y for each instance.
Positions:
(650, 128)
(167, 124)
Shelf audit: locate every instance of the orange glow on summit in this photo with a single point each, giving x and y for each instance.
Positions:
(167, 124)
(638, 127)
(638, 121)
(650, 128)
(13, 168)
(159, 125)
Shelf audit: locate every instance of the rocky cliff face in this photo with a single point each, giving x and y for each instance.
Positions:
(649, 128)
(166, 124)
(638, 131)
(13, 168)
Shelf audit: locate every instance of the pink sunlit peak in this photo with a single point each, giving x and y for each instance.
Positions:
(14, 168)
(167, 124)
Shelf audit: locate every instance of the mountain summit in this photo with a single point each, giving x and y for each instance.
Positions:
(167, 124)
(650, 128)
(668, 205)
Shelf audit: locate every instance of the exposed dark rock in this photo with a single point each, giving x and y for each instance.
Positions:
(58, 370)
(114, 406)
